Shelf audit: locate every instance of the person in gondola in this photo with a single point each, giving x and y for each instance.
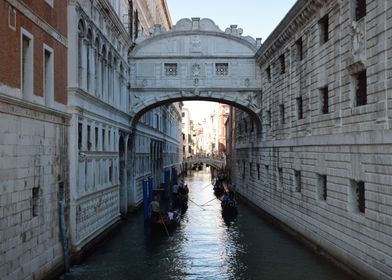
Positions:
(175, 190)
(154, 208)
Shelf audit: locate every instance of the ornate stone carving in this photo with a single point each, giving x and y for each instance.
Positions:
(195, 70)
(358, 39)
(195, 44)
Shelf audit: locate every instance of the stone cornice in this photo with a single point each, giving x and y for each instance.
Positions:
(297, 17)
(32, 110)
(79, 93)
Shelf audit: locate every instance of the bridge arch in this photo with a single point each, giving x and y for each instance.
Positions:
(195, 61)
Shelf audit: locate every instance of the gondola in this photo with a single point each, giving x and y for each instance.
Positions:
(229, 207)
(163, 223)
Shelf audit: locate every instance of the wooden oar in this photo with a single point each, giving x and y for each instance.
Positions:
(196, 204)
(163, 223)
(208, 201)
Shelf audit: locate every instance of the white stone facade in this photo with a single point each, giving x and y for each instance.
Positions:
(103, 144)
(322, 165)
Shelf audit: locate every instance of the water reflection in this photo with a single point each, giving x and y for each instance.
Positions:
(204, 246)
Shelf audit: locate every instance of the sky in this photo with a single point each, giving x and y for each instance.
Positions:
(258, 18)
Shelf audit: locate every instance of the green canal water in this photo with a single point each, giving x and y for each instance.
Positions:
(204, 246)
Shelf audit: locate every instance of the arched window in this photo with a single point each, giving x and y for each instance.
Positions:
(97, 67)
(88, 59)
(103, 72)
(110, 78)
(81, 33)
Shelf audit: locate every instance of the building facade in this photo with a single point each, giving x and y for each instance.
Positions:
(33, 142)
(322, 163)
(104, 139)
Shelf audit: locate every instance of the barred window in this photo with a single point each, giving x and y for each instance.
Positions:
(324, 106)
(300, 50)
(300, 111)
(361, 88)
(171, 69)
(356, 197)
(35, 201)
(324, 29)
(297, 181)
(221, 69)
(282, 64)
(281, 110)
(322, 187)
(360, 9)
(268, 72)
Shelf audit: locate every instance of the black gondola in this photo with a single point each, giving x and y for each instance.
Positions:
(165, 222)
(229, 207)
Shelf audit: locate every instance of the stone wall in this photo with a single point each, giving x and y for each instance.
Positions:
(33, 172)
(308, 168)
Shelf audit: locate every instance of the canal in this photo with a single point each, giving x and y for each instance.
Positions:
(204, 246)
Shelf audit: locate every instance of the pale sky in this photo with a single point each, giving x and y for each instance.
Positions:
(258, 18)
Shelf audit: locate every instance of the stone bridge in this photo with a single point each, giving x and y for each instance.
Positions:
(212, 161)
(195, 61)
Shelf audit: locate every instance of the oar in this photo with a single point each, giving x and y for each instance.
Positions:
(163, 223)
(208, 201)
(196, 204)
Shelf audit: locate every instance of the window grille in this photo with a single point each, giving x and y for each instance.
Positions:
(222, 69)
(171, 69)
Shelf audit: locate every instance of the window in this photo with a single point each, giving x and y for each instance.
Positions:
(300, 111)
(171, 69)
(323, 27)
(258, 171)
(267, 173)
(268, 73)
(27, 69)
(111, 172)
(221, 69)
(80, 135)
(360, 9)
(299, 47)
(96, 138)
(35, 201)
(297, 181)
(361, 88)
(356, 197)
(89, 145)
(322, 187)
(324, 107)
(282, 64)
(243, 170)
(281, 110)
(103, 139)
(269, 118)
(250, 170)
(280, 174)
(48, 82)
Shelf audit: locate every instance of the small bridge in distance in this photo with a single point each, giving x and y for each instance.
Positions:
(217, 162)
